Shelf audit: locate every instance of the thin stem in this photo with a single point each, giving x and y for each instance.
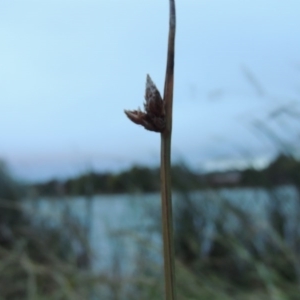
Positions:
(167, 219)
(166, 189)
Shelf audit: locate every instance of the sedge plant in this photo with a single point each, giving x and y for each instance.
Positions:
(157, 117)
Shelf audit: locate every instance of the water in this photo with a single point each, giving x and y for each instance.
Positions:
(121, 227)
(118, 225)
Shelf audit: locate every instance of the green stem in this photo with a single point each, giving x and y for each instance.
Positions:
(167, 219)
(166, 188)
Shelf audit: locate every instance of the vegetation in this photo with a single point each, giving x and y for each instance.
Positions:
(35, 259)
(257, 258)
(244, 251)
(140, 179)
(157, 117)
(239, 244)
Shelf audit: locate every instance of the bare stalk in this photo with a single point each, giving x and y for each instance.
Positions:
(157, 117)
(165, 173)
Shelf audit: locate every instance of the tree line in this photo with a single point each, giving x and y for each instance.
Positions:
(282, 170)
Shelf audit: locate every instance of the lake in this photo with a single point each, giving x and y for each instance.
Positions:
(123, 227)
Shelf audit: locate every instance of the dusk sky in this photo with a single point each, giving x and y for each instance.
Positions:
(68, 69)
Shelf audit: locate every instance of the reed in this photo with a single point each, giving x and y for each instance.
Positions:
(157, 117)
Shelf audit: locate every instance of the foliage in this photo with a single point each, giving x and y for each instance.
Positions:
(137, 179)
(238, 248)
(34, 257)
(255, 259)
(282, 170)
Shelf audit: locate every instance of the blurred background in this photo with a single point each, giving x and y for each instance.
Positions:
(79, 183)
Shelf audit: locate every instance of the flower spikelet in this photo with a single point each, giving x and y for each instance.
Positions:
(153, 118)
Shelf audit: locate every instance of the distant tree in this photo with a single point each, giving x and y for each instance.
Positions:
(284, 169)
(10, 213)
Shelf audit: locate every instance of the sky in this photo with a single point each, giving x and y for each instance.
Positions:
(69, 68)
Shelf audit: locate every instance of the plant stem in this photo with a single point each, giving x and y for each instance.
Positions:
(166, 200)
(166, 188)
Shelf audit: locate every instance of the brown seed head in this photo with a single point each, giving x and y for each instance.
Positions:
(153, 118)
